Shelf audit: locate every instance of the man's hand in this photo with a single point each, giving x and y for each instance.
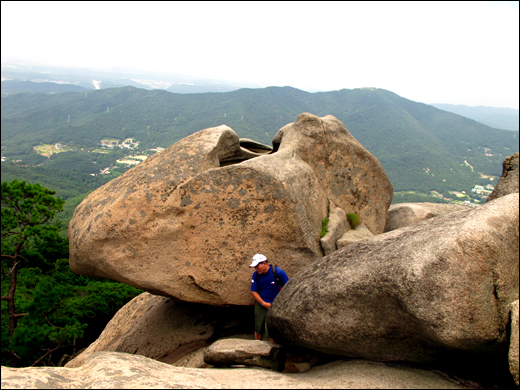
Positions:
(260, 300)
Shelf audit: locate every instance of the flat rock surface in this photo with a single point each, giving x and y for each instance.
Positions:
(115, 370)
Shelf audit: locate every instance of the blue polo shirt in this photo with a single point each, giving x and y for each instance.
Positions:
(267, 286)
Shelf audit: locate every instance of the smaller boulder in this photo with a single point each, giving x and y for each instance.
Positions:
(404, 214)
(228, 352)
(513, 345)
(354, 235)
(337, 226)
(508, 182)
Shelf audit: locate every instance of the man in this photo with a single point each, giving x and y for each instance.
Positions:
(264, 288)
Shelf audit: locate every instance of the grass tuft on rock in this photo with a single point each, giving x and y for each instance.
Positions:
(353, 220)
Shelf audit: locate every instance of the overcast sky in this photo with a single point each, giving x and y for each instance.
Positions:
(432, 52)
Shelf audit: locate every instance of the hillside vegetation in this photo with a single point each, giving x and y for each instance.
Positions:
(421, 148)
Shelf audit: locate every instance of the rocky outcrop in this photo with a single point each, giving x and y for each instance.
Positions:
(404, 214)
(436, 291)
(508, 182)
(185, 223)
(336, 227)
(233, 351)
(166, 330)
(115, 370)
(350, 176)
(513, 345)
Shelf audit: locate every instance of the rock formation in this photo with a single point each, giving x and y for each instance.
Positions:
(348, 174)
(508, 182)
(116, 370)
(436, 291)
(232, 351)
(404, 214)
(185, 223)
(336, 227)
(441, 292)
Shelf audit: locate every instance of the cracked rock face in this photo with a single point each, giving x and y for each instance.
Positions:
(186, 222)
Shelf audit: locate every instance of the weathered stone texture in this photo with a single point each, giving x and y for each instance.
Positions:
(116, 370)
(351, 177)
(438, 290)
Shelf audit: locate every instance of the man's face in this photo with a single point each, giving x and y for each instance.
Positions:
(262, 268)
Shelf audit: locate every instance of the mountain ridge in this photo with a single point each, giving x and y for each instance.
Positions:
(420, 147)
(499, 117)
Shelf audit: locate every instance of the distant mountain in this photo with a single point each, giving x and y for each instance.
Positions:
(499, 118)
(110, 78)
(200, 88)
(10, 87)
(420, 147)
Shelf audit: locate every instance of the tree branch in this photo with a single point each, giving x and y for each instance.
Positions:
(49, 351)
(50, 323)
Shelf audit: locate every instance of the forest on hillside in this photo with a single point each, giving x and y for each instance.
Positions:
(420, 147)
(49, 313)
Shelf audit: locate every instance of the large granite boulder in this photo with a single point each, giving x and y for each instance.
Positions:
(234, 351)
(166, 330)
(436, 291)
(508, 182)
(404, 214)
(186, 222)
(116, 370)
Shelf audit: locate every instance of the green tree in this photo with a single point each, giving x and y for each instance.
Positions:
(27, 210)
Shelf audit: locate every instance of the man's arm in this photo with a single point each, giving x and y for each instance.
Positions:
(282, 275)
(259, 299)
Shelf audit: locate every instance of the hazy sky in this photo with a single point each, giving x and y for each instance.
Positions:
(431, 52)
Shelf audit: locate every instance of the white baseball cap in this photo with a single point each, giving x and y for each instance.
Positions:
(257, 259)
